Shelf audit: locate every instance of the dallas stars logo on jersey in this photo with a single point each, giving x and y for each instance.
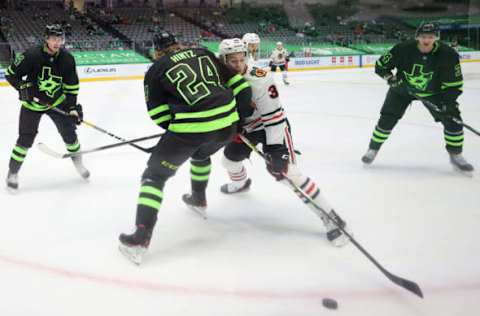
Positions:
(49, 83)
(417, 78)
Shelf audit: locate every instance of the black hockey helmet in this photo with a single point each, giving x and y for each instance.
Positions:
(54, 30)
(163, 40)
(428, 28)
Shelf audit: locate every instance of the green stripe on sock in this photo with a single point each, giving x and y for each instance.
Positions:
(198, 169)
(200, 178)
(20, 150)
(459, 144)
(151, 190)
(380, 134)
(17, 158)
(73, 147)
(454, 138)
(149, 202)
(378, 140)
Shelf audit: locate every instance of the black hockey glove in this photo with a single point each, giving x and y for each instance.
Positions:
(277, 160)
(394, 82)
(76, 112)
(26, 91)
(447, 105)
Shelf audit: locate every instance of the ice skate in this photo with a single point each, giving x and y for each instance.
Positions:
(334, 234)
(197, 203)
(236, 187)
(12, 182)
(460, 164)
(82, 171)
(134, 246)
(369, 156)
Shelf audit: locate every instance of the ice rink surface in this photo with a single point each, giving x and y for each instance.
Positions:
(261, 253)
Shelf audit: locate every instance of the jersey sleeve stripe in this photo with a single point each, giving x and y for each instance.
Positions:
(241, 87)
(273, 112)
(159, 109)
(234, 80)
(162, 119)
(456, 84)
(209, 113)
(273, 118)
(275, 123)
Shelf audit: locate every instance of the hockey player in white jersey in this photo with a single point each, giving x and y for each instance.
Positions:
(268, 126)
(279, 58)
(252, 43)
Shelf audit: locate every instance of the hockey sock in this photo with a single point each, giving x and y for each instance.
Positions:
(200, 172)
(236, 170)
(310, 188)
(73, 148)
(379, 137)
(453, 141)
(149, 202)
(16, 159)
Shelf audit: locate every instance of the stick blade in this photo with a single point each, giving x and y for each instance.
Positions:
(47, 150)
(406, 284)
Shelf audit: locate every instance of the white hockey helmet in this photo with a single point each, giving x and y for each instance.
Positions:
(279, 44)
(251, 38)
(231, 46)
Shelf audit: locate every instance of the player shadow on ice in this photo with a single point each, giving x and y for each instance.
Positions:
(218, 231)
(52, 185)
(414, 170)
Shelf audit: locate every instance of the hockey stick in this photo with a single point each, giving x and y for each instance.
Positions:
(406, 284)
(87, 123)
(432, 106)
(56, 154)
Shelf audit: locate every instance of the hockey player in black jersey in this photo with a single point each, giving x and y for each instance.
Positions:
(198, 101)
(425, 68)
(50, 81)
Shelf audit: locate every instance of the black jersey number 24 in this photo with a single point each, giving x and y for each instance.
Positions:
(189, 85)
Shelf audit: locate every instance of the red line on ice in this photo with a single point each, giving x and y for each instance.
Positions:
(245, 294)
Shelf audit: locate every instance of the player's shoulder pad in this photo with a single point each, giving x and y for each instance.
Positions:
(67, 55)
(258, 72)
(446, 50)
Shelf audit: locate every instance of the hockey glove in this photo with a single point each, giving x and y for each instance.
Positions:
(26, 91)
(394, 82)
(447, 111)
(76, 112)
(277, 160)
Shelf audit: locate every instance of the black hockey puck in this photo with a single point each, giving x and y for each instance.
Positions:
(330, 303)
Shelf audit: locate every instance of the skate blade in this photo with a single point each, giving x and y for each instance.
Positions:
(84, 175)
(340, 241)
(199, 210)
(11, 190)
(133, 254)
(83, 172)
(468, 174)
(243, 190)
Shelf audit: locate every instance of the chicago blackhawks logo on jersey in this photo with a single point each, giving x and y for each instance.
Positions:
(258, 72)
(49, 83)
(417, 78)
